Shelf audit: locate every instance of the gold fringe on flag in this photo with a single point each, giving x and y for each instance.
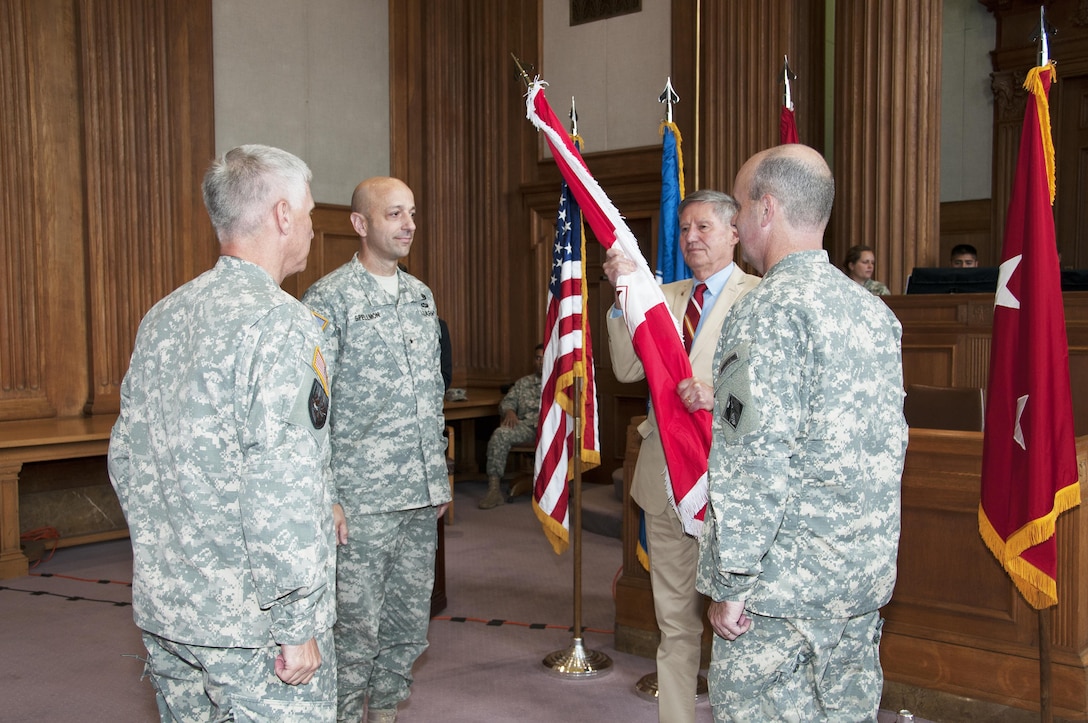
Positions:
(1034, 85)
(557, 534)
(1038, 588)
(679, 155)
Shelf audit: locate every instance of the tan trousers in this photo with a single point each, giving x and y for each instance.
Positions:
(674, 558)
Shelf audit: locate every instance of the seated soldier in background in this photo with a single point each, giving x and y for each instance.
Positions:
(964, 256)
(519, 410)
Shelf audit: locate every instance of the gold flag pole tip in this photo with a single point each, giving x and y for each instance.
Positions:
(521, 71)
(577, 663)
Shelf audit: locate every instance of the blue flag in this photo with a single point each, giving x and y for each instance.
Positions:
(670, 261)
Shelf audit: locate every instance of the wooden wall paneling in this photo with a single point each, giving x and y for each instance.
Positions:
(887, 133)
(966, 222)
(145, 156)
(25, 170)
(929, 362)
(461, 142)
(334, 243)
(1070, 121)
(1015, 53)
(447, 209)
(741, 93)
(955, 329)
(955, 622)
(1010, 99)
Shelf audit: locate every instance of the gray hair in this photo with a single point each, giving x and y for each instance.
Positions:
(241, 185)
(805, 190)
(725, 206)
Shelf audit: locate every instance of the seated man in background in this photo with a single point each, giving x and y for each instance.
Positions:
(519, 410)
(964, 256)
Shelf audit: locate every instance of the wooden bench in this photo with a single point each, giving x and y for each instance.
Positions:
(42, 440)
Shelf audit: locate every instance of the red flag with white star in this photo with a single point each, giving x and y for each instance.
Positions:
(1029, 464)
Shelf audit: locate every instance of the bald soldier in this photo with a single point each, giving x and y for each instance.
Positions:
(802, 528)
(388, 452)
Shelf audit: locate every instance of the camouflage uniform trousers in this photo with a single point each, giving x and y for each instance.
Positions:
(793, 669)
(384, 580)
(503, 438)
(196, 683)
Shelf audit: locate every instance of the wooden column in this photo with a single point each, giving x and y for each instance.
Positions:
(106, 125)
(887, 134)
(148, 138)
(461, 142)
(1016, 51)
(742, 47)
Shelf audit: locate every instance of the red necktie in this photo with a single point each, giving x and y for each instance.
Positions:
(691, 316)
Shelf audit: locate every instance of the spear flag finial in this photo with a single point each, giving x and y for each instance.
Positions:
(668, 97)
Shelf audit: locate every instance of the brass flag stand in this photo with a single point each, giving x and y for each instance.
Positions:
(577, 663)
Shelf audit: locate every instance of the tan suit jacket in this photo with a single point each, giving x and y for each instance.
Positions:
(648, 485)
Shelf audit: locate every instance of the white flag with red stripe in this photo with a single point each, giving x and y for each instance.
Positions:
(655, 333)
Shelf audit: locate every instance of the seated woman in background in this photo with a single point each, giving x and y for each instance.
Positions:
(859, 266)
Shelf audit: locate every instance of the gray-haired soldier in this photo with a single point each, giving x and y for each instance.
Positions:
(220, 459)
(800, 540)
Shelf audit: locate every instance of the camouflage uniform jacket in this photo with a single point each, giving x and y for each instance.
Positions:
(876, 288)
(808, 446)
(220, 459)
(524, 400)
(388, 452)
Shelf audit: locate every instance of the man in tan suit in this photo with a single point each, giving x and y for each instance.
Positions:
(707, 240)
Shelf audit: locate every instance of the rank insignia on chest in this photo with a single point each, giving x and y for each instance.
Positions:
(733, 409)
(318, 405)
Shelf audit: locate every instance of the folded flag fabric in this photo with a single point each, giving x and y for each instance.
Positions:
(655, 333)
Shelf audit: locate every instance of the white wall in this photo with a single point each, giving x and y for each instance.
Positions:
(313, 78)
(615, 69)
(967, 102)
(309, 77)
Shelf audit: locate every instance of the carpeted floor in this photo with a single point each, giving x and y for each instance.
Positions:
(71, 651)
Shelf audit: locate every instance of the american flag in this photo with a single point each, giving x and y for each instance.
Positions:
(655, 332)
(568, 355)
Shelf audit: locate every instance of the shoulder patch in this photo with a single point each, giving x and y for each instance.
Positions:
(320, 320)
(318, 405)
(733, 402)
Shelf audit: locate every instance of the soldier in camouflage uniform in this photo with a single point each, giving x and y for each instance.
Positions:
(388, 452)
(519, 411)
(220, 459)
(800, 540)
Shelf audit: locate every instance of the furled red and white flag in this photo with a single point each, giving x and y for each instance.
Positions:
(1029, 461)
(787, 123)
(655, 332)
(568, 356)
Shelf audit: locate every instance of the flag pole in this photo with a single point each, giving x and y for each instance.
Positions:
(1046, 714)
(575, 662)
(698, 86)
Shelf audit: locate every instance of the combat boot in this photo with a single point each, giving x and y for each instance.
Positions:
(381, 715)
(494, 497)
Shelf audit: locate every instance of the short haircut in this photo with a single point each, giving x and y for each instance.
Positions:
(805, 190)
(961, 249)
(725, 206)
(240, 186)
